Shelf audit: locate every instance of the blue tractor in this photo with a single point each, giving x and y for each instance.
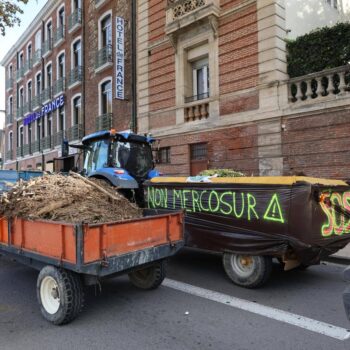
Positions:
(123, 159)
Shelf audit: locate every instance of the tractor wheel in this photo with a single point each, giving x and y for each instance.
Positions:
(60, 295)
(246, 270)
(150, 277)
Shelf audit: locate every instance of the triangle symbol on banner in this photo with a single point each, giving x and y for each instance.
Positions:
(274, 211)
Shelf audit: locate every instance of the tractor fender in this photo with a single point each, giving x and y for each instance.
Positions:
(126, 182)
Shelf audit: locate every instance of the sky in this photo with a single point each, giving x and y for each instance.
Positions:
(12, 34)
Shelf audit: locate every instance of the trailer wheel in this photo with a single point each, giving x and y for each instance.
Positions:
(150, 277)
(246, 270)
(60, 295)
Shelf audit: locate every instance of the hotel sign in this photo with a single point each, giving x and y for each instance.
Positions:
(47, 108)
(120, 57)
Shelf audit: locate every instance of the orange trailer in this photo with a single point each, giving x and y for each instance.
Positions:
(70, 256)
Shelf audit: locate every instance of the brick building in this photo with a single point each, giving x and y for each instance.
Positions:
(213, 86)
(61, 81)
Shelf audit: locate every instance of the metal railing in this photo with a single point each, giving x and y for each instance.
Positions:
(28, 65)
(27, 108)
(58, 138)
(19, 113)
(46, 94)
(75, 75)
(75, 19)
(197, 97)
(46, 143)
(9, 118)
(59, 34)
(19, 152)
(36, 57)
(26, 150)
(9, 83)
(9, 155)
(35, 146)
(20, 73)
(36, 101)
(75, 132)
(46, 46)
(59, 86)
(103, 56)
(104, 121)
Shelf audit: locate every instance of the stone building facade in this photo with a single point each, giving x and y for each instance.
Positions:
(61, 79)
(213, 87)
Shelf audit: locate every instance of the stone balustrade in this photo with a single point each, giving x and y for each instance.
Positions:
(317, 86)
(197, 111)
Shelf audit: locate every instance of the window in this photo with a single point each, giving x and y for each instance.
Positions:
(10, 139)
(38, 129)
(10, 72)
(164, 155)
(10, 105)
(77, 54)
(60, 68)
(60, 119)
(106, 31)
(20, 142)
(38, 84)
(48, 76)
(200, 80)
(49, 31)
(21, 97)
(49, 124)
(199, 151)
(29, 133)
(20, 61)
(38, 41)
(61, 18)
(29, 91)
(76, 5)
(29, 52)
(106, 97)
(76, 110)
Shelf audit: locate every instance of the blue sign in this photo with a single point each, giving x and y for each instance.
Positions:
(47, 108)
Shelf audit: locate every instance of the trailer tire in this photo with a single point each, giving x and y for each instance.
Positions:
(150, 277)
(60, 295)
(246, 270)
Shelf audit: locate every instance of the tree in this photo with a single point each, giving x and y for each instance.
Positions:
(9, 11)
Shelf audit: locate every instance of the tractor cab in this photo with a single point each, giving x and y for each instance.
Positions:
(124, 159)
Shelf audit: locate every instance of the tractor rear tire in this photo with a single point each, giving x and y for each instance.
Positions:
(60, 295)
(150, 277)
(246, 270)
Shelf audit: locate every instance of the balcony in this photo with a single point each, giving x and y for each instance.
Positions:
(36, 102)
(37, 57)
(104, 122)
(46, 95)
(330, 84)
(104, 58)
(27, 108)
(20, 73)
(75, 76)
(9, 118)
(183, 13)
(75, 132)
(26, 150)
(59, 35)
(19, 152)
(58, 138)
(35, 146)
(59, 86)
(28, 65)
(46, 47)
(197, 111)
(19, 113)
(46, 143)
(74, 20)
(9, 155)
(9, 84)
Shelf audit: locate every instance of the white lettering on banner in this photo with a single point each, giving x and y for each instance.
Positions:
(120, 66)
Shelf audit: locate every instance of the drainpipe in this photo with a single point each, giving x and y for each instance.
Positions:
(133, 66)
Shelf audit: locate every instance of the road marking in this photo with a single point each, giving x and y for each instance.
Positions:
(309, 324)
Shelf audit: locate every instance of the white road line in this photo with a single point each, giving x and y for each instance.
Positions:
(262, 310)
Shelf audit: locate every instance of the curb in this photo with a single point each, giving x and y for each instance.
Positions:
(341, 260)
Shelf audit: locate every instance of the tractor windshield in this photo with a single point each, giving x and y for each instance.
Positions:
(135, 157)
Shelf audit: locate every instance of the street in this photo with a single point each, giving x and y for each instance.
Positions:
(123, 317)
